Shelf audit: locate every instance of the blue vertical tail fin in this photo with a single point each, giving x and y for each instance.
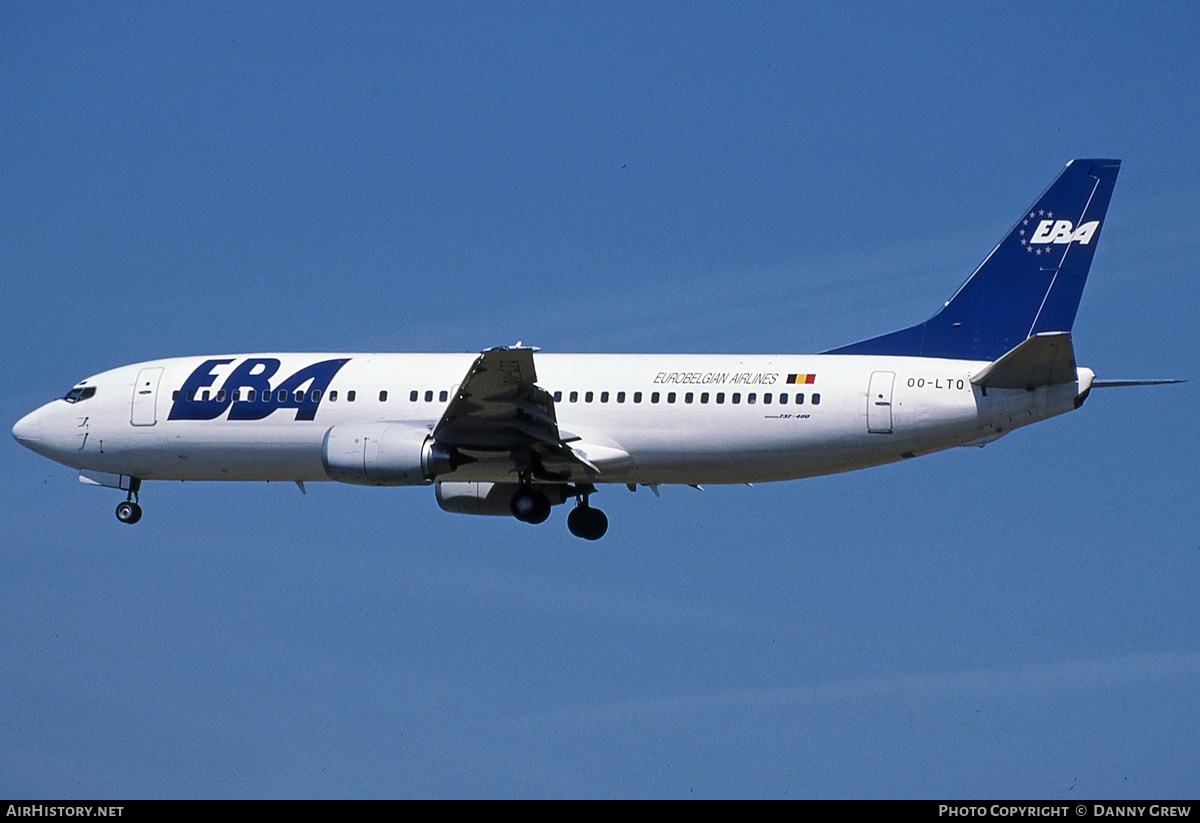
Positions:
(1030, 284)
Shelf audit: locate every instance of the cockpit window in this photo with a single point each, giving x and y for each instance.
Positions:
(80, 393)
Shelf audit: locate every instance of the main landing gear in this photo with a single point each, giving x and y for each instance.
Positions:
(586, 522)
(531, 505)
(129, 511)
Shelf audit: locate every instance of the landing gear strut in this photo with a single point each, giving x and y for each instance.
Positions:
(129, 511)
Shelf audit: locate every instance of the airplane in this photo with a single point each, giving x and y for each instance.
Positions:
(514, 431)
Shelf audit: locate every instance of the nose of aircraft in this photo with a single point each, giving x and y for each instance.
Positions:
(53, 431)
(28, 430)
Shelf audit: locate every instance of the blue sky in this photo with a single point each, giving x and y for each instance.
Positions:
(1016, 621)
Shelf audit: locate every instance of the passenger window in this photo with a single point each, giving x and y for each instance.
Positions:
(350, 396)
(332, 395)
(751, 397)
(671, 397)
(299, 396)
(637, 397)
(799, 398)
(413, 395)
(383, 396)
(574, 397)
(737, 398)
(782, 399)
(428, 396)
(620, 397)
(252, 394)
(316, 395)
(720, 397)
(174, 396)
(221, 396)
(687, 398)
(703, 397)
(767, 397)
(603, 397)
(237, 395)
(558, 396)
(205, 395)
(654, 397)
(816, 399)
(587, 398)
(442, 395)
(280, 395)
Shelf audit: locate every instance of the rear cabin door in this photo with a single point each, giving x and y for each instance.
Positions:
(879, 402)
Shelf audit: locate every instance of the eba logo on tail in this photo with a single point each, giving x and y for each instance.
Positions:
(1062, 232)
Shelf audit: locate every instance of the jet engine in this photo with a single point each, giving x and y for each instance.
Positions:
(383, 454)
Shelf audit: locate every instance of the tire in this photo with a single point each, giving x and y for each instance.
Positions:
(588, 523)
(129, 512)
(530, 506)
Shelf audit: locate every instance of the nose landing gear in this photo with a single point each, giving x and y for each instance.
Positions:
(129, 511)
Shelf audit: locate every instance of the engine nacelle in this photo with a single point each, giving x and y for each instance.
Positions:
(491, 498)
(383, 454)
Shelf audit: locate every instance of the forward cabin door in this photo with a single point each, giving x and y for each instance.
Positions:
(879, 402)
(145, 397)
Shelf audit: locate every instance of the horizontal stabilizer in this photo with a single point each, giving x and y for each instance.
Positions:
(1113, 384)
(1045, 359)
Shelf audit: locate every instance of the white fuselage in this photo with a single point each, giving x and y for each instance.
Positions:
(680, 418)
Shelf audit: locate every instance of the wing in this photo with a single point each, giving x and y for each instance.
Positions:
(500, 411)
